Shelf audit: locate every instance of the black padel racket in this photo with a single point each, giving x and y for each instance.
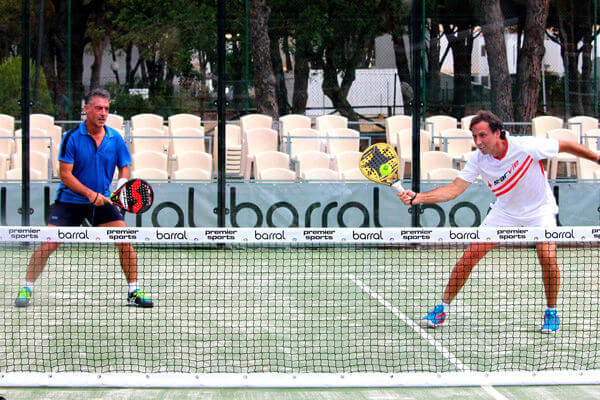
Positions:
(135, 196)
(379, 163)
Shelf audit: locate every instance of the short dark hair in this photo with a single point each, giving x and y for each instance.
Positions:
(97, 92)
(492, 120)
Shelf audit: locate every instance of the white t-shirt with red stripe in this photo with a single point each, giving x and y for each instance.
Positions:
(517, 178)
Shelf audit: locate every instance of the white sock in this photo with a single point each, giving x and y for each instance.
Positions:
(446, 307)
(28, 285)
(551, 309)
(132, 286)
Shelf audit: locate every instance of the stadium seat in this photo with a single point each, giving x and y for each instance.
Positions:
(395, 124)
(150, 159)
(37, 160)
(435, 159)
(568, 159)
(457, 142)
(405, 147)
(140, 121)
(194, 159)
(254, 121)
(311, 159)
(465, 122)
(233, 150)
(346, 160)
(436, 124)
(353, 175)
(7, 122)
(581, 124)
(324, 123)
(442, 174)
(300, 140)
(16, 174)
(591, 139)
(191, 174)
(7, 145)
(271, 159)
(342, 139)
(321, 174)
(290, 122)
(586, 168)
(279, 174)
(541, 125)
(151, 174)
(256, 141)
(39, 140)
(186, 139)
(116, 122)
(149, 139)
(179, 121)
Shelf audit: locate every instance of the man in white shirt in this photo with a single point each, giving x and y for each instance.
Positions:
(512, 169)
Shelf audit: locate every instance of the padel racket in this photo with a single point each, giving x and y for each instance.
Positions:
(379, 163)
(135, 196)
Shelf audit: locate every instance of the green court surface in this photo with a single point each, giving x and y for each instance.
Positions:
(325, 310)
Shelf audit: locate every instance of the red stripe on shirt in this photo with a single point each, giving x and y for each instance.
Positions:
(516, 180)
(513, 176)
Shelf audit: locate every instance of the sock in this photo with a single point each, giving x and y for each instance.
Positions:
(28, 285)
(132, 286)
(446, 307)
(551, 309)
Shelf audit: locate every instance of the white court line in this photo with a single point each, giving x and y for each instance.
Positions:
(439, 347)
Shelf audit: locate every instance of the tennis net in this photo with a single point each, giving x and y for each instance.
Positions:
(296, 307)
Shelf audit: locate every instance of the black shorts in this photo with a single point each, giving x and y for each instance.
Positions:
(72, 214)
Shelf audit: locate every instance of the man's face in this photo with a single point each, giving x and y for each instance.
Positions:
(97, 111)
(485, 140)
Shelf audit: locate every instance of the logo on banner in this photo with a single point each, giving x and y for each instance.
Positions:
(78, 235)
(122, 234)
(464, 235)
(416, 234)
(513, 233)
(220, 234)
(24, 233)
(318, 234)
(367, 235)
(559, 235)
(171, 235)
(258, 235)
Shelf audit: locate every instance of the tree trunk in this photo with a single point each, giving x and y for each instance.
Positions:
(332, 89)
(493, 32)
(529, 67)
(98, 48)
(401, 60)
(434, 77)
(280, 89)
(264, 80)
(461, 44)
(301, 74)
(568, 30)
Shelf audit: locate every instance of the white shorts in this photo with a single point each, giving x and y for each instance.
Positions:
(498, 218)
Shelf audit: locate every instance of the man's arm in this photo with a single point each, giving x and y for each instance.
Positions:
(577, 150)
(438, 195)
(67, 177)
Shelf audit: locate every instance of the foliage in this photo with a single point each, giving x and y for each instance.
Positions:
(10, 89)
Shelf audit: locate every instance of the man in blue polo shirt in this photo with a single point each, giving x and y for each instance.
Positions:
(88, 157)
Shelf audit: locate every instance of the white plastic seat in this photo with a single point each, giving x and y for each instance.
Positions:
(442, 174)
(465, 122)
(346, 160)
(150, 159)
(16, 174)
(292, 121)
(191, 174)
(568, 159)
(254, 121)
(541, 125)
(300, 140)
(591, 139)
(37, 160)
(581, 124)
(39, 140)
(116, 122)
(353, 175)
(324, 123)
(279, 174)
(186, 139)
(7, 122)
(149, 139)
(395, 124)
(457, 142)
(438, 123)
(435, 159)
(140, 121)
(342, 139)
(233, 150)
(194, 159)
(151, 174)
(310, 160)
(321, 174)
(271, 159)
(586, 168)
(405, 147)
(179, 121)
(256, 141)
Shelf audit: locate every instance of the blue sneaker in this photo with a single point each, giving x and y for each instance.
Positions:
(435, 318)
(139, 299)
(23, 298)
(551, 322)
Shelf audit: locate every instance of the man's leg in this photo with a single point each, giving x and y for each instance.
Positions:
(458, 278)
(36, 265)
(546, 252)
(128, 258)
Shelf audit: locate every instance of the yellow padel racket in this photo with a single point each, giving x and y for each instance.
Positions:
(379, 163)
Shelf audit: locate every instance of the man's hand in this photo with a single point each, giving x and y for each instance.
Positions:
(406, 196)
(98, 200)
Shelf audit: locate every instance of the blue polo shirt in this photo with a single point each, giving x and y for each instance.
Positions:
(93, 167)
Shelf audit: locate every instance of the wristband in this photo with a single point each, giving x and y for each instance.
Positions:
(411, 200)
(95, 198)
